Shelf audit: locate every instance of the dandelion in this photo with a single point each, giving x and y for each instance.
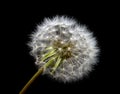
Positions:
(63, 49)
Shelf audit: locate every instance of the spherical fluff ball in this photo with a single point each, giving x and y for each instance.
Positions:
(67, 50)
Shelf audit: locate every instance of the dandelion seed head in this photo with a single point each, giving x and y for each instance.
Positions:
(68, 49)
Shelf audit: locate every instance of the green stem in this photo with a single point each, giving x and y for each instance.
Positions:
(56, 64)
(49, 54)
(50, 62)
(31, 81)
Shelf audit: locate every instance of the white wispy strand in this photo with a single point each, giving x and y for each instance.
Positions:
(84, 53)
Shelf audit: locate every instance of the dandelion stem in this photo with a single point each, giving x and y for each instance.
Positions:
(56, 65)
(31, 81)
(49, 54)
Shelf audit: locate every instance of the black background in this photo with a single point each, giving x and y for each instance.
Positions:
(22, 20)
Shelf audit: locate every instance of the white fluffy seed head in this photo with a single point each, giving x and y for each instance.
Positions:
(74, 44)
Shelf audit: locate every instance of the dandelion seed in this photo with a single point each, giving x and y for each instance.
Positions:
(69, 48)
(62, 42)
(60, 49)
